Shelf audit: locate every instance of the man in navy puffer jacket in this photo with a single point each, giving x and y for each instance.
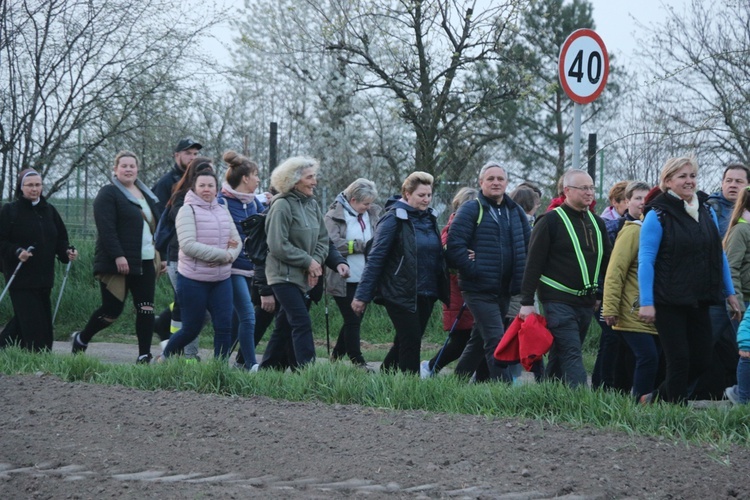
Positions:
(487, 243)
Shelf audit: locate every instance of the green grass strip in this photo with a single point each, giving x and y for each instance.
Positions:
(340, 383)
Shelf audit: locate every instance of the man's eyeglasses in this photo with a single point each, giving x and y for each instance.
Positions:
(588, 189)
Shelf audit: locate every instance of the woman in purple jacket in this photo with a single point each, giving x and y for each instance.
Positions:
(209, 243)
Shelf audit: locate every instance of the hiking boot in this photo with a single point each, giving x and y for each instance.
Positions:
(424, 370)
(144, 359)
(646, 399)
(76, 344)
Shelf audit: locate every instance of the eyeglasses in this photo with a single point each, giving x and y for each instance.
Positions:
(586, 189)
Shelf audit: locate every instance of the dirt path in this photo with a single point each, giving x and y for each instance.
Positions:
(76, 440)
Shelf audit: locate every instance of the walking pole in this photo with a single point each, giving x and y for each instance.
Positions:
(453, 327)
(13, 276)
(62, 287)
(325, 302)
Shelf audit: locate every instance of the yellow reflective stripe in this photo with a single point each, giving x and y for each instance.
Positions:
(351, 247)
(558, 286)
(587, 284)
(576, 246)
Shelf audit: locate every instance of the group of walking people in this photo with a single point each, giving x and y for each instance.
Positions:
(653, 268)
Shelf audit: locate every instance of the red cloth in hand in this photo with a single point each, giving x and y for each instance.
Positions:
(525, 341)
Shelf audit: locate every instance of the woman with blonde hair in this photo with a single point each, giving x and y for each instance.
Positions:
(406, 268)
(681, 271)
(297, 249)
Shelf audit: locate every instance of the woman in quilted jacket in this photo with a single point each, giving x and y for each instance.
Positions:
(209, 243)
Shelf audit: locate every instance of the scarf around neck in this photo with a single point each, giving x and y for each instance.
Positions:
(245, 198)
(691, 207)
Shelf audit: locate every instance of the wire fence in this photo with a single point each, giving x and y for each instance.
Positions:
(78, 213)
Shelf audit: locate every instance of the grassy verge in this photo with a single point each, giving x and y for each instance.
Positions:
(339, 383)
(81, 297)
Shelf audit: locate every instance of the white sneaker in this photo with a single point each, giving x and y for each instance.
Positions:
(424, 370)
(254, 368)
(163, 344)
(731, 394)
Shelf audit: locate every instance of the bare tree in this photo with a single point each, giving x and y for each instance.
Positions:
(416, 60)
(76, 74)
(699, 62)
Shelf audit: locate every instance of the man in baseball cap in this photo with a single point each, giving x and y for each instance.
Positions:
(186, 144)
(184, 152)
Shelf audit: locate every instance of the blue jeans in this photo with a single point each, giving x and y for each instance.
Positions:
(646, 351)
(196, 298)
(488, 310)
(191, 350)
(244, 313)
(743, 380)
(568, 325)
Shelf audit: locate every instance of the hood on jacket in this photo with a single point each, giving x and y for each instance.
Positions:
(341, 199)
(146, 191)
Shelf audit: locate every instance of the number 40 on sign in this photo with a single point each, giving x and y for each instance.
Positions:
(583, 66)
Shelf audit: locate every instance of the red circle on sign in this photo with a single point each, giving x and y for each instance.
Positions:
(571, 85)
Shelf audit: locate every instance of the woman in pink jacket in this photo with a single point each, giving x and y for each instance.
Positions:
(209, 243)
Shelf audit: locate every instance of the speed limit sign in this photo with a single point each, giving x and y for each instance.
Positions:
(583, 66)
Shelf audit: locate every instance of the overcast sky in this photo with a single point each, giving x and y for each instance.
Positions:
(615, 23)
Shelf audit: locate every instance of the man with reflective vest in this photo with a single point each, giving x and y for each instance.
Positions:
(487, 243)
(568, 252)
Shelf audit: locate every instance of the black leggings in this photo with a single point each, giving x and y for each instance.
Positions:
(141, 287)
(348, 342)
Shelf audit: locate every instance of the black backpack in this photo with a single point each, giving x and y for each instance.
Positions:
(165, 231)
(255, 246)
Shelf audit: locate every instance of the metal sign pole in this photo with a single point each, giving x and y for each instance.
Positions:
(577, 136)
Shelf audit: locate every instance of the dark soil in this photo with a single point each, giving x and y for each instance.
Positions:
(77, 440)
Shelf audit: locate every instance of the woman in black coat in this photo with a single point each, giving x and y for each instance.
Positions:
(405, 267)
(125, 213)
(31, 221)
